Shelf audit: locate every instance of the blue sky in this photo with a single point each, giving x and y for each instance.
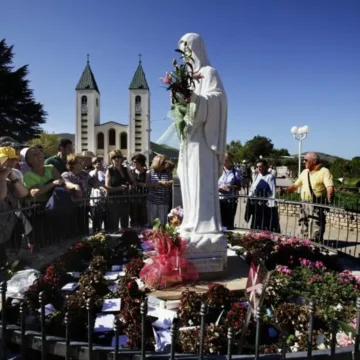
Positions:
(283, 63)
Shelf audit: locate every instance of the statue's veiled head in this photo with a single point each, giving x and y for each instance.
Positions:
(197, 46)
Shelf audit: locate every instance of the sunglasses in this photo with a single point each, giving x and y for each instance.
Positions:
(306, 160)
(117, 158)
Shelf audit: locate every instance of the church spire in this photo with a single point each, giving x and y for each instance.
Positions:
(139, 79)
(87, 80)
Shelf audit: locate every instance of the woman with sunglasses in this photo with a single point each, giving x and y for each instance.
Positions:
(118, 181)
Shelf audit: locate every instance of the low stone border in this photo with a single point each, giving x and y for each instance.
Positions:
(341, 219)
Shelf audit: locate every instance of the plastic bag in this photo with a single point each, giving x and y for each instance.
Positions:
(20, 283)
(168, 267)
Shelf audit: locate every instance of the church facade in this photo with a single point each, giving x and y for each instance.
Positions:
(101, 138)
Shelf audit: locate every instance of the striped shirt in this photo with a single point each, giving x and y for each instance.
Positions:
(159, 196)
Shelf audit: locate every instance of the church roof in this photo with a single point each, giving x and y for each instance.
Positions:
(111, 122)
(87, 80)
(139, 79)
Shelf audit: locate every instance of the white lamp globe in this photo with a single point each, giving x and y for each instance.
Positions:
(294, 130)
(306, 129)
(301, 130)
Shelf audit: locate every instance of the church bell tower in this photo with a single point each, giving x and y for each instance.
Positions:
(139, 121)
(87, 110)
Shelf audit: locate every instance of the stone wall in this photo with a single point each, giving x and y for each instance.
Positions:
(341, 219)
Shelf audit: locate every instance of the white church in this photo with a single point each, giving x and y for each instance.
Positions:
(101, 138)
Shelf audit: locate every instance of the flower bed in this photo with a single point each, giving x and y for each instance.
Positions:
(299, 273)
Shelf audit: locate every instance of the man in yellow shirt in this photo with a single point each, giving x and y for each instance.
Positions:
(317, 187)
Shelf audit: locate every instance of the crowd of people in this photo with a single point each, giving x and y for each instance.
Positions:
(67, 193)
(256, 182)
(315, 185)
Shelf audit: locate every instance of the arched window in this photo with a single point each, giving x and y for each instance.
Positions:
(138, 105)
(84, 100)
(100, 141)
(112, 137)
(123, 140)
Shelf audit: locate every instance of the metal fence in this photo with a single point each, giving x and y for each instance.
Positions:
(22, 339)
(340, 228)
(19, 337)
(34, 226)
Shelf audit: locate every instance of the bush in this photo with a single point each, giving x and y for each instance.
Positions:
(352, 182)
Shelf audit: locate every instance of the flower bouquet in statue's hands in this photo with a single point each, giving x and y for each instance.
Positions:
(181, 82)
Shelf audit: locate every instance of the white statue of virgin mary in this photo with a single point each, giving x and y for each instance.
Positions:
(202, 156)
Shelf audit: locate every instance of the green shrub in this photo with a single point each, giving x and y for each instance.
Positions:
(352, 182)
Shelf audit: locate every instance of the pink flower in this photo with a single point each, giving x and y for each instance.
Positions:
(316, 278)
(283, 269)
(346, 277)
(261, 235)
(167, 79)
(353, 324)
(306, 242)
(319, 265)
(343, 339)
(306, 262)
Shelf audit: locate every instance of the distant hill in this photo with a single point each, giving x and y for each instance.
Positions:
(325, 157)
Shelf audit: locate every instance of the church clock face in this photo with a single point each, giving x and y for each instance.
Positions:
(137, 109)
(83, 109)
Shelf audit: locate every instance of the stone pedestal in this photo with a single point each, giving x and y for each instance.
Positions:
(208, 252)
(234, 279)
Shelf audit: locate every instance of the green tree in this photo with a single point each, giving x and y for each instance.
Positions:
(21, 116)
(237, 150)
(339, 168)
(280, 152)
(49, 142)
(258, 146)
(355, 167)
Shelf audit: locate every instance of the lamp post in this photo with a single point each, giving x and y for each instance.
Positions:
(300, 134)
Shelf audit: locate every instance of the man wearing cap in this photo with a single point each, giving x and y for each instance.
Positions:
(59, 160)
